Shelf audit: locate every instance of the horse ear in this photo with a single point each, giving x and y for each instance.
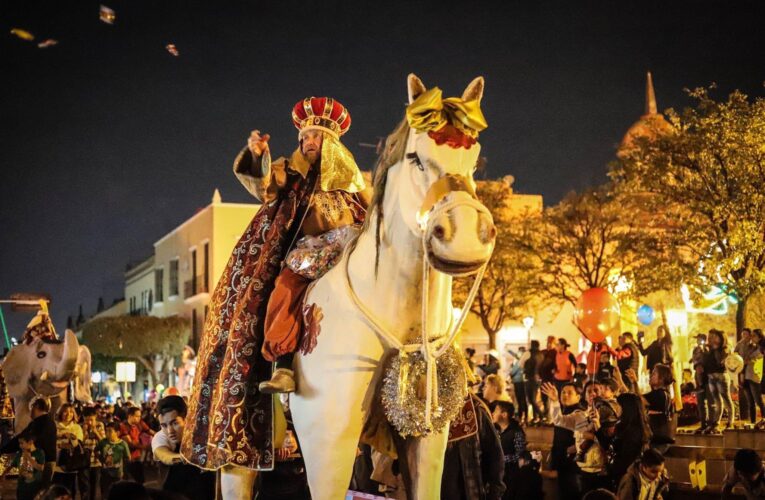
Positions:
(474, 90)
(414, 86)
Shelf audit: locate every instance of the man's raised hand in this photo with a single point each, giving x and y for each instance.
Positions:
(257, 143)
(550, 391)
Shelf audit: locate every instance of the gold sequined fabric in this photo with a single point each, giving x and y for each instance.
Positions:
(331, 204)
(338, 167)
(401, 392)
(430, 112)
(330, 210)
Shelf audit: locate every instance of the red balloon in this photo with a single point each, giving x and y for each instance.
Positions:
(172, 391)
(597, 314)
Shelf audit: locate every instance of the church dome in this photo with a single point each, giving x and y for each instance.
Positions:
(650, 124)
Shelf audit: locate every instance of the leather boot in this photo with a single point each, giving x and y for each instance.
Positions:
(282, 381)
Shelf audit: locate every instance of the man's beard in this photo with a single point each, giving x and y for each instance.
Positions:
(313, 157)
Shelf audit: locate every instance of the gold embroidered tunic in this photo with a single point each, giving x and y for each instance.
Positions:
(283, 326)
(328, 209)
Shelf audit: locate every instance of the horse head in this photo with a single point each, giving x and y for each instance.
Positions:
(437, 151)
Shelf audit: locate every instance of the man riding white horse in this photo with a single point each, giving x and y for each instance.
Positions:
(389, 295)
(257, 308)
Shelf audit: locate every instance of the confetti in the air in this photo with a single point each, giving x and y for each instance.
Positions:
(107, 15)
(23, 34)
(47, 43)
(172, 49)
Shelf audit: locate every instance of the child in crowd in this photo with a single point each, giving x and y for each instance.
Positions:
(30, 462)
(748, 470)
(511, 436)
(580, 376)
(131, 431)
(609, 411)
(645, 479)
(113, 453)
(93, 432)
(687, 387)
(605, 368)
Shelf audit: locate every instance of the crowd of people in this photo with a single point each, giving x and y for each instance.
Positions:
(608, 441)
(610, 437)
(103, 450)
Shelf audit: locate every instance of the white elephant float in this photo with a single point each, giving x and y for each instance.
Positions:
(44, 367)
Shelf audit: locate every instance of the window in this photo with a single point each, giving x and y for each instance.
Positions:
(159, 285)
(173, 288)
(206, 270)
(194, 282)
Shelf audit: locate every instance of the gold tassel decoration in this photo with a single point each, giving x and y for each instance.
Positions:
(403, 376)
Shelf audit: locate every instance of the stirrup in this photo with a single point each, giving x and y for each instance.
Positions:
(282, 381)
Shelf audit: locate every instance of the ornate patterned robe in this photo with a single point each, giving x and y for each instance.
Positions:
(229, 421)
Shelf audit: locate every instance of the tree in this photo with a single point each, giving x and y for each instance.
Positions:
(708, 172)
(595, 239)
(503, 293)
(143, 338)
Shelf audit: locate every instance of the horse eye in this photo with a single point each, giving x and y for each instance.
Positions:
(41, 354)
(416, 160)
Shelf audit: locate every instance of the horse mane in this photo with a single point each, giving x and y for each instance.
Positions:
(392, 153)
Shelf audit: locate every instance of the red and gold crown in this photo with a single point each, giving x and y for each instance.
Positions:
(321, 113)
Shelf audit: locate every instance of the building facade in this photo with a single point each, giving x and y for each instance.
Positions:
(187, 263)
(139, 288)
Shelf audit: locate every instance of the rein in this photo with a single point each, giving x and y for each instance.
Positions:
(434, 204)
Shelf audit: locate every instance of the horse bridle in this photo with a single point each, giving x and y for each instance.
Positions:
(436, 202)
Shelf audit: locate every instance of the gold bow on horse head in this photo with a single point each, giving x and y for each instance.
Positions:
(430, 112)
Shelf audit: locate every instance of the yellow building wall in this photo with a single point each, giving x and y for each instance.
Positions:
(230, 220)
(219, 225)
(178, 245)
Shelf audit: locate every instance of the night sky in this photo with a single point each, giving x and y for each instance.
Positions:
(107, 141)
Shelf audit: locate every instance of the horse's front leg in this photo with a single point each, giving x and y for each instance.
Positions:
(236, 483)
(422, 461)
(328, 415)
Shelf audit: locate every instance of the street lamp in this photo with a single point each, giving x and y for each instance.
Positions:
(125, 373)
(528, 324)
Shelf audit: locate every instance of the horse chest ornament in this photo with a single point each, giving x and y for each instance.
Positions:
(425, 385)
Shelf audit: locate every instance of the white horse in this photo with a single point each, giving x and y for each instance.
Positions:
(336, 381)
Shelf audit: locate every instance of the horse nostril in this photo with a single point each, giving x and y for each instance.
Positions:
(487, 231)
(439, 232)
